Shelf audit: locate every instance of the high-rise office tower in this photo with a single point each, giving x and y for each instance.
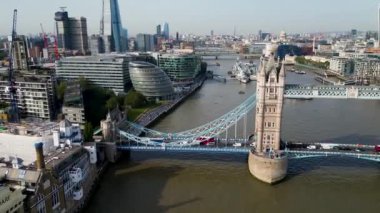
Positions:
(71, 32)
(78, 33)
(165, 30)
(378, 32)
(111, 29)
(158, 30)
(63, 29)
(145, 42)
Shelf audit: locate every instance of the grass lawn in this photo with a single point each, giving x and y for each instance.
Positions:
(133, 114)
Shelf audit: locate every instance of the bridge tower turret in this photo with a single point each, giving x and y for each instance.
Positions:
(266, 162)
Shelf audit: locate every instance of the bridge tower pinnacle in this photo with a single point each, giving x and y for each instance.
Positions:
(269, 103)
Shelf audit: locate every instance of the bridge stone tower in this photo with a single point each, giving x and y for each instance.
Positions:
(266, 162)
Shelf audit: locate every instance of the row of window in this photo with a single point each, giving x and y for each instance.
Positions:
(269, 125)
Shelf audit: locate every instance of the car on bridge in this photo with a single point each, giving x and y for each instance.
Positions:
(205, 141)
(377, 148)
(329, 146)
(153, 141)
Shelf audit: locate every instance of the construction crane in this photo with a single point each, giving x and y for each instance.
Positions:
(14, 116)
(56, 53)
(46, 43)
(45, 37)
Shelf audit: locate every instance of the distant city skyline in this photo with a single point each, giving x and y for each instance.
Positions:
(200, 17)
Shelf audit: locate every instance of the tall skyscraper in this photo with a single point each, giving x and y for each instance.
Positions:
(158, 30)
(63, 29)
(145, 42)
(165, 30)
(378, 32)
(71, 32)
(111, 29)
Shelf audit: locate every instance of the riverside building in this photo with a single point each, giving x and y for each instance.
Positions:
(45, 168)
(107, 71)
(35, 93)
(150, 80)
(181, 68)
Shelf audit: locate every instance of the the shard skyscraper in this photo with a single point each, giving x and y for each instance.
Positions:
(113, 36)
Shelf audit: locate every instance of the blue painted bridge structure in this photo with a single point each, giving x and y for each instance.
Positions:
(135, 137)
(292, 154)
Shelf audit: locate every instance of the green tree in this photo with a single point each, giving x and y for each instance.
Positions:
(300, 60)
(3, 55)
(3, 105)
(88, 132)
(112, 103)
(61, 89)
(134, 99)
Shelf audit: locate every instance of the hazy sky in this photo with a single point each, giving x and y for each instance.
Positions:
(201, 16)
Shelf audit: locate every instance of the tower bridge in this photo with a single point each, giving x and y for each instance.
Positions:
(268, 160)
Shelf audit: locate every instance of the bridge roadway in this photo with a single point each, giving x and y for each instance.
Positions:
(292, 153)
(332, 92)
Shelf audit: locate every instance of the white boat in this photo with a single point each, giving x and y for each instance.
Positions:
(244, 80)
(300, 72)
(244, 72)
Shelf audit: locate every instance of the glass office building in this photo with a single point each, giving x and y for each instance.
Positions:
(150, 80)
(112, 32)
(180, 67)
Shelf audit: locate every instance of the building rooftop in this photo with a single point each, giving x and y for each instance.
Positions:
(37, 75)
(105, 57)
(11, 174)
(141, 64)
(17, 141)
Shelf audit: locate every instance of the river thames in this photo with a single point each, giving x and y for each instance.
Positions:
(167, 182)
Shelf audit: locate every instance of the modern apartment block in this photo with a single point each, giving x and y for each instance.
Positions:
(73, 108)
(20, 53)
(367, 67)
(35, 93)
(342, 66)
(107, 71)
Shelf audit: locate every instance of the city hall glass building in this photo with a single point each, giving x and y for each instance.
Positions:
(150, 80)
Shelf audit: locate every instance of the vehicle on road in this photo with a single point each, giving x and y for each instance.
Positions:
(329, 146)
(377, 148)
(205, 141)
(237, 145)
(153, 141)
(311, 147)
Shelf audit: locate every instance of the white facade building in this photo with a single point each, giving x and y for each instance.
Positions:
(341, 66)
(107, 71)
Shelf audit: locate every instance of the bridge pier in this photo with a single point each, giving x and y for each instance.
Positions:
(267, 169)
